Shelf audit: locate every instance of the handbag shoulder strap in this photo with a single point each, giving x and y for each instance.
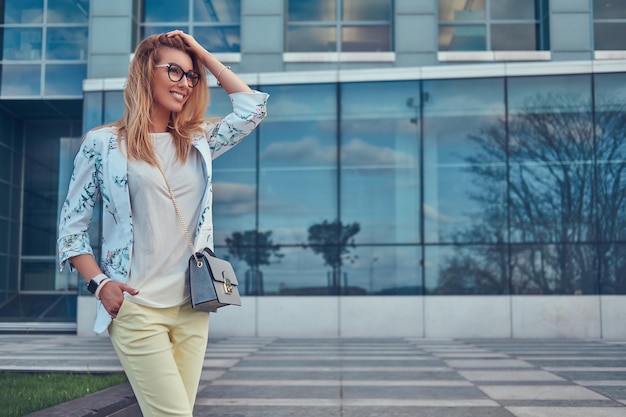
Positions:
(180, 217)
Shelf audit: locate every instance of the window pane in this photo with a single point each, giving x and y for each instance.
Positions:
(383, 270)
(466, 270)
(228, 11)
(462, 38)
(21, 80)
(366, 39)
(65, 80)
(554, 269)
(234, 185)
(464, 161)
(612, 259)
(609, 36)
(298, 162)
(21, 44)
(366, 10)
(312, 10)
(6, 161)
(551, 150)
(165, 11)
(219, 39)
(311, 39)
(610, 101)
(609, 9)
(514, 37)
(454, 11)
(157, 30)
(513, 9)
(23, 11)
(66, 43)
(380, 173)
(68, 11)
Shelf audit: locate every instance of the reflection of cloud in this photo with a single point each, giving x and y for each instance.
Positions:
(432, 213)
(234, 198)
(358, 152)
(307, 150)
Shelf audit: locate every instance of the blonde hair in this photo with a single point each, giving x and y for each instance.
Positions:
(138, 99)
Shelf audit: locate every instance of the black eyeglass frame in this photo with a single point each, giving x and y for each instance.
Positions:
(193, 77)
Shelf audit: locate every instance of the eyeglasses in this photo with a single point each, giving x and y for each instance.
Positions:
(175, 73)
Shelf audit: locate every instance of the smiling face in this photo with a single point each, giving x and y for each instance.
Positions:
(169, 96)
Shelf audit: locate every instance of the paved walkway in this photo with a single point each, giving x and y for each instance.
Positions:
(403, 377)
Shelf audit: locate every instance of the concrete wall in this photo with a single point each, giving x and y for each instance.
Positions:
(587, 317)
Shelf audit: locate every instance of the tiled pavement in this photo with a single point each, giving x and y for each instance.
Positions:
(402, 377)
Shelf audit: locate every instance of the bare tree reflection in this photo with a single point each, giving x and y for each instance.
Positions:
(566, 193)
(332, 240)
(255, 248)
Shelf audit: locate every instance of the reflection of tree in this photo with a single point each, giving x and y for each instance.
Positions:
(560, 195)
(331, 240)
(255, 249)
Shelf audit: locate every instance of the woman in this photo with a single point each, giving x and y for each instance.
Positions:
(140, 279)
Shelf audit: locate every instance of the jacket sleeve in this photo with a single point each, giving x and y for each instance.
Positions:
(78, 207)
(248, 111)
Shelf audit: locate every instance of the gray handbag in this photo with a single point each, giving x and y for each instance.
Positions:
(212, 281)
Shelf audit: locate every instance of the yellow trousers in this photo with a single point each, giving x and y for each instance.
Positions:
(162, 352)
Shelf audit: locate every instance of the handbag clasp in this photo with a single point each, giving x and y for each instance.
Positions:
(228, 286)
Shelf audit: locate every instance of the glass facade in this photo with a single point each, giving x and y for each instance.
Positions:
(493, 25)
(44, 48)
(216, 24)
(339, 26)
(609, 23)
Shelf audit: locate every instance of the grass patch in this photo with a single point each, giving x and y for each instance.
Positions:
(24, 393)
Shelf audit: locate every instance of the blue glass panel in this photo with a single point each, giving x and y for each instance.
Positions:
(609, 9)
(312, 10)
(298, 161)
(551, 150)
(361, 10)
(453, 10)
(66, 43)
(219, 39)
(21, 80)
(382, 270)
(311, 39)
(463, 38)
(157, 30)
(513, 9)
(234, 181)
(466, 270)
(65, 79)
(6, 162)
(226, 11)
(514, 37)
(366, 38)
(380, 173)
(610, 194)
(464, 161)
(23, 44)
(68, 11)
(612, 268)
(554, 269)
(23, 11)
(609, 36)
(166, 11)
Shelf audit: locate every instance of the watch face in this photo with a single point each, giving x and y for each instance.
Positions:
(92, 286)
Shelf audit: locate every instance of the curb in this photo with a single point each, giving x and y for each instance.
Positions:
(117, 401)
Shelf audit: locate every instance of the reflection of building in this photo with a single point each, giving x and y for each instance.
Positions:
(482, 165)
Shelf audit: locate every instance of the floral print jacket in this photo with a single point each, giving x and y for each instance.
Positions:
(100, 169)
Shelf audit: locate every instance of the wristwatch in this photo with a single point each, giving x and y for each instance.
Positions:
(95, 281)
